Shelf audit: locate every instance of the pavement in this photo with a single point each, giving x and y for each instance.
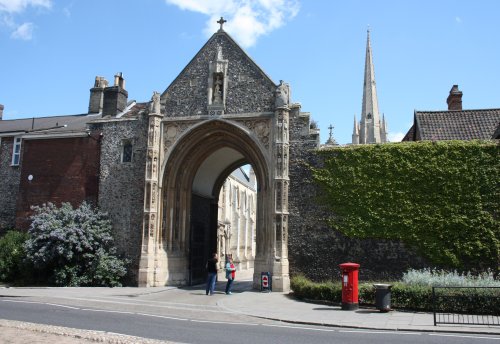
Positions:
(243, 302)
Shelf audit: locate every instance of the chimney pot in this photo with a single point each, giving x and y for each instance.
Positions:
(115, 97)
(97, 94)
(1, 111)
(119, 81)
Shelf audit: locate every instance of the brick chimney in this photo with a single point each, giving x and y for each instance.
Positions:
(115, 97)
(97, 94)
(1, 111)
(454, 100)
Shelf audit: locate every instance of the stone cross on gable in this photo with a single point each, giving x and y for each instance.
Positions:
(331, 129)
(221, 21)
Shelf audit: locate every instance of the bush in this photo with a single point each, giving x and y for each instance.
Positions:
(73, 247)
(469, 300)
(11, 255)
(324, 291)
(442, 278)
(414, 297)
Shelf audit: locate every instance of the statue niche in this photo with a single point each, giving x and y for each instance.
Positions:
(217, 84)
(218, 88)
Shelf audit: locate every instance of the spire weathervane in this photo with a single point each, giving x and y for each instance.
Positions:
(221, 21)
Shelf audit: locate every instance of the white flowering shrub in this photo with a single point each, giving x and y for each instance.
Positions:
(442, 278)
(73, 247)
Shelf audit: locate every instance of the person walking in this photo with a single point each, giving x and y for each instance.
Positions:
(212, 274)
(230, 275)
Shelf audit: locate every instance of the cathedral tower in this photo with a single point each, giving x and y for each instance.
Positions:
(370, 129)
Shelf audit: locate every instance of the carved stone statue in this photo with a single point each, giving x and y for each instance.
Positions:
(219, 53)
(155, 103)
(281, 93)
(217, 99)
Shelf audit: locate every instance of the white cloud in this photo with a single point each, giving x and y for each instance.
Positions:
(458, 20)
(247, 19)
(16, 6)
(24, 32)
(395, 137)
(10, 8)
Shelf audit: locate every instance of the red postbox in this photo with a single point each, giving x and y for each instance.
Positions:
(349, 285)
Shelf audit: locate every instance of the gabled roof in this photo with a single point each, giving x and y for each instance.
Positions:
(457, 125)
(200, 52)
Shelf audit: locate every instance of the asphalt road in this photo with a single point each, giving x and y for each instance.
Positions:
(196, 330)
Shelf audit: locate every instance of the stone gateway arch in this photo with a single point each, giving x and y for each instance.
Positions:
(220, 113)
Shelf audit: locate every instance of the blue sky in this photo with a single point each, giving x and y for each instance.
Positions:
(51, 51)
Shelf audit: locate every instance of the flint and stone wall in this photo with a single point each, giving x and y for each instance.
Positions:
(248, 91)
(9, 185)
(315, 249)
(121, 185)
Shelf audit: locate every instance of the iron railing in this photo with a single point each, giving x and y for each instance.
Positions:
(466, 305)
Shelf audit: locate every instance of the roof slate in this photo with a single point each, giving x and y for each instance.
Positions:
(57, 124)
(457, 125)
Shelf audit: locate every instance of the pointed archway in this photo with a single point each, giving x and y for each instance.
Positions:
(191, 178)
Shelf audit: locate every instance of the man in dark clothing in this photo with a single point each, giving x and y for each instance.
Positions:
(212, 273)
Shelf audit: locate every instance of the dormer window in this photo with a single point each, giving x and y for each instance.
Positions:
(16, 151)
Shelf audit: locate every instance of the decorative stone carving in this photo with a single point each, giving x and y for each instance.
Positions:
(261, 129)
(282, 95)
(154, 106)
(218, 89)
(217, 84)
(172, 131)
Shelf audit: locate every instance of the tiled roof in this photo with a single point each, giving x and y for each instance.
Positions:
(410, 135)
(54, 124)
(457, 125)
(496, 134)
(58, 124)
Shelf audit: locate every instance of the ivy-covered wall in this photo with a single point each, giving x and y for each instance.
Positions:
(439, 199)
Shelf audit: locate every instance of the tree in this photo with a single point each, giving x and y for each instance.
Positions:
(11, 255)
(74, 247)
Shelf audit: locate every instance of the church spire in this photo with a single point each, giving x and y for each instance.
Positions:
(355, 132)
(370, 126)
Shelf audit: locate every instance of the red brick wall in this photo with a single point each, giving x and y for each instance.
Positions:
(63, 170)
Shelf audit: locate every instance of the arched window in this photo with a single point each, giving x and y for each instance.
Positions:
(126, 151)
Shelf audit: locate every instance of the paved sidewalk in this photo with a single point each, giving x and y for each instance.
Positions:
(243, 301)
(283, 307)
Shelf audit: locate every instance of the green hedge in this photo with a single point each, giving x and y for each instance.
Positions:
(404, 297)
(440, 198)
(324, 291)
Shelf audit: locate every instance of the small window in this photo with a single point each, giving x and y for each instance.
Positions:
(126, 151)
(16, 151)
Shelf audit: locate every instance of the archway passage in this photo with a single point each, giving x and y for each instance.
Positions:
(194, 173)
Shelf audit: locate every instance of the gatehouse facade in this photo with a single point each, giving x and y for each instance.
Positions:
(158, 167)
